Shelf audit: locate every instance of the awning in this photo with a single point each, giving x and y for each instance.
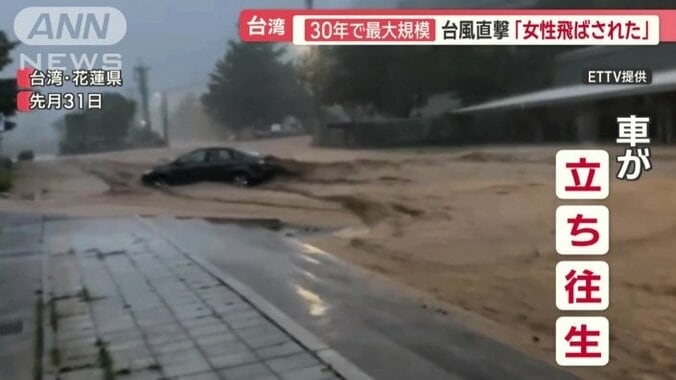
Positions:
(663, 81)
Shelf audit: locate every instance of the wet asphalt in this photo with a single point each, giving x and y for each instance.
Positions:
(20, 286)
(387, 334)
(371, 323)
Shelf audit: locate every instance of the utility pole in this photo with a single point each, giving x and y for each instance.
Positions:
(2, 127)
(164, 110)
(141, 72)
(309, 4)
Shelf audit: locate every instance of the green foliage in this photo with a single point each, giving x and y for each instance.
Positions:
(395, 79)
(252, 86)
(5, 180)
(8, 91)
(479, 73)
(5, 47)
(99, 130)
(391, 79)
(6, 163)
(25, 155)
(7, 86)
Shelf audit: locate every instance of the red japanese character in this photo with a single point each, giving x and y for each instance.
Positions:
(599, 29)
(588, 277)
(583, 343)
(565, 30)
(582, 29)
(615, 32)
(547, 30)
(583, 164)
(576, 230)
(633, 29)
(530, 30)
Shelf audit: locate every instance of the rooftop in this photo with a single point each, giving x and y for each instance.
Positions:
(663, 81)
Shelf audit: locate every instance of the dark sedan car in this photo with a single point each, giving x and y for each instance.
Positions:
(212, 164)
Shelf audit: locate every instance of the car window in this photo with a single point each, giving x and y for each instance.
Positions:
(240, 155)
(193, 157)
(220, 155)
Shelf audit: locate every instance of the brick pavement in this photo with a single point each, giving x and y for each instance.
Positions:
(130, 306)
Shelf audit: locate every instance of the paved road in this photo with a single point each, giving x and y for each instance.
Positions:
(117, 286)
(385, 334)
(20, 280)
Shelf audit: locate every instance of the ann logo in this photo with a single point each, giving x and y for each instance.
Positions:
(70, 26)
(80, 28)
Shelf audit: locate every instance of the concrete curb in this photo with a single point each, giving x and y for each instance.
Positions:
(49, 372)
(338, 363)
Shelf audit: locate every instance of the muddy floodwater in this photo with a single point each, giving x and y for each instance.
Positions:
(469, 231)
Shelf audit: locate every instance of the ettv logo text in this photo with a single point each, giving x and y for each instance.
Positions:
(70, 26)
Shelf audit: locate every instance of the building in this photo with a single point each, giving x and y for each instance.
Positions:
(575, 112)
(567, 110)
(569, 65)
(427, 124)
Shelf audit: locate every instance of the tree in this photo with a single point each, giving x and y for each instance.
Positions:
(479, 73)
(252, 86)
(389, 79)
(394, 80)
(7, 86)
(95, 130)
(8, 92)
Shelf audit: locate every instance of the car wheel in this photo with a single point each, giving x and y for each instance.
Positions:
(161, 182)
(241, 180)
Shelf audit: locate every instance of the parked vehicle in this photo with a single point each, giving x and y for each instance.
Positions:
(216, 164)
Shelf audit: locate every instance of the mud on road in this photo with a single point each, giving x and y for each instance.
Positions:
(469, 231)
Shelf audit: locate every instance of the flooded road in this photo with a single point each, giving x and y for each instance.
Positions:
(377, 326)
(387, 334)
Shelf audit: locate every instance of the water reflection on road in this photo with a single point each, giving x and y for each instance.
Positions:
(386, 334)
(315, 305)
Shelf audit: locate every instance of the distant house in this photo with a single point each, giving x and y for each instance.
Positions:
(570, 65)
(567, 111)
(572, 111)
(426, 124)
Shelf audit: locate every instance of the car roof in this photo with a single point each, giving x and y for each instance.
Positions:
(221, 148)
(217, 147)
(209, 148)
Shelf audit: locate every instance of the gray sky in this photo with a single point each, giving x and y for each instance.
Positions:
(180, 39)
